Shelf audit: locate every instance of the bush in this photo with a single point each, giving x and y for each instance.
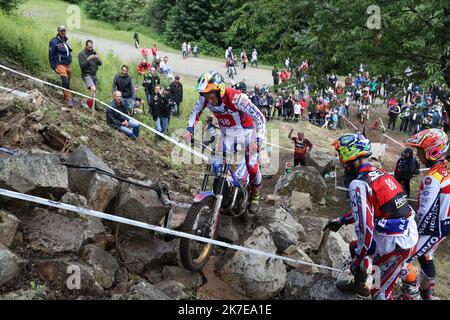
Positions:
(10, 5)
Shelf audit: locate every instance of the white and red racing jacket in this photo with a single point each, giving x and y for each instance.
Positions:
(433, 217)
(381, 213)
(235, 112)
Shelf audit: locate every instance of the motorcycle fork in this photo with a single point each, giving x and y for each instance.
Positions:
(218, 201)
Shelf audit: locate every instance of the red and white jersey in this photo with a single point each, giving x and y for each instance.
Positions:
(433, 217)
(235, 112)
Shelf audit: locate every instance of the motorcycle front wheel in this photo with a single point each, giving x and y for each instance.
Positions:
(195, 254)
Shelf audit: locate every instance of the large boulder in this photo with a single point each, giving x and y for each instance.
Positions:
(49, 232)
(283, 228)
(69, 275)
(229, 229)
(302, 179)
(305, 286)
(98, 189)
(11, 265)
(321, 159)
(139, 204)
(103, 264)
(37, 174)
(251, 275)
(140, 253)
(334, 253)
(8, 228)
(173, 289)
(142, 290)
(300, 202)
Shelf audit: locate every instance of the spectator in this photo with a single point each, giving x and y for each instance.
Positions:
(257, 91)
(254, 98)
(136, 40)
(195, 51)
(89, 62)
(143, 67)
(303, 106)
(393, 113)
(302, 147)
(339, 90)
(176, 90)
(154, 51)
(144, 53)
(275, 76)
(244, 59)
(407, 166)
(288, 108)
(60, 56)
(263, 104)
(164, 67)
(312, 111)
(297, 111)
(184, 50)
(271, 105)
(373, 88)
(189, 49)
(119, 122)
(304, 66)
(284, 76)
(151, 80)
(278, 107)
(254, 58)
(160, 109)
(405, 115)
(124, 83)
(333, 80)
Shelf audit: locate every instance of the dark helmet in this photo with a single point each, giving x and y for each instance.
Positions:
(407, 153)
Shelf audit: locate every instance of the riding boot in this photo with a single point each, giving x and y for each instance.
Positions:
(254, 199)
(355, 285)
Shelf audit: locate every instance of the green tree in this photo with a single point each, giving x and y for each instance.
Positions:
(10, 5)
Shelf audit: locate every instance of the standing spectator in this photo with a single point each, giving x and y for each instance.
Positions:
(151, 80)
(333, 80)
(275, 76)
(195, 51)
(154, 51)
(124, 83)
(119, 122)
(284, 76)
(184, 50)
(287, 63)
(89, 62)
(297, 111)
(405, 115)
(278, 107)
(302, 147)
(339, 91)
(393, 112)
(373, 89)
(144, 52)
(244, 59)
(304, 66)
(303, 106)
(136, 40)
(348, 82)
(407, 166)
(312, 111)
(176, 90)
(288, 108)
(160, 109)
(60, 56)
(189, 49)
(271, 105)
(254, 58)
(143, 67)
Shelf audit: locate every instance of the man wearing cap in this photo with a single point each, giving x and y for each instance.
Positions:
(89, 62)
(60, 56)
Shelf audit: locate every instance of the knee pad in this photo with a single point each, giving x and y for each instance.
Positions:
(408, 274)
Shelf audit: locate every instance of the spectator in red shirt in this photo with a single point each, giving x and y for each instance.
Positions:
(302, 147)
(143, 67)
(154, 50)
(284, 76)
(303, 105)
(144, 52)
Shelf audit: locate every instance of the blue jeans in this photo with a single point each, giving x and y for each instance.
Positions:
(132, 130)
(162, 124)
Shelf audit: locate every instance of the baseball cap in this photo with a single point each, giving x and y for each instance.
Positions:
(60, 28)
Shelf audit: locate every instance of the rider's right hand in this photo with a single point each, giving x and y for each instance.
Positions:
(333, 225)
(187, 136)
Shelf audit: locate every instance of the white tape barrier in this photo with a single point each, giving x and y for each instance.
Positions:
(101, 215)
(395, 141)
(280, 147)
(181, 145)
(356, 128)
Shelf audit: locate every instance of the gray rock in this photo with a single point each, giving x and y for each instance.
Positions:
(10, 265)
(71, 276)
(300, 202)
(313, 228)
(50, 232)
(229, 229)
(295, 252)
(74, 199)
(98, 189)
(348, 233)
(321, 159)
(284, 230)
(143, 290)
(36, 174)
(191, 280)
(255, 276)
(334, 253)
(139, 204)
(173, 289)
(8, 228)
(302, 179)
(104, 264)
(140, 253)
(23, 295)
(304, 286)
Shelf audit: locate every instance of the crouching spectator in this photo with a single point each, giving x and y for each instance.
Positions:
(118, 121)
(160, 109)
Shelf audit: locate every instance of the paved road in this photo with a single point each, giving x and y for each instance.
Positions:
(192, 67)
